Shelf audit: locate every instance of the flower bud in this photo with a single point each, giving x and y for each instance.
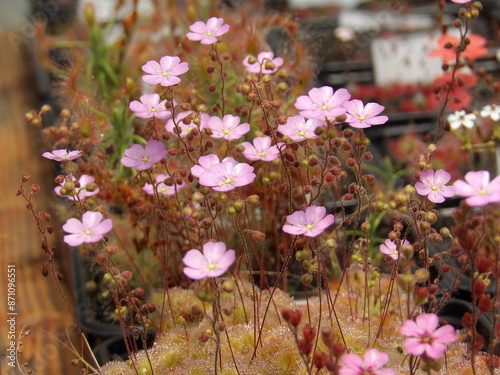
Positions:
(319, 360)
(306, 279)
(91, 186)
(484, 303)
(331, 243)
(269, 65)
(407, 251)
(228, 286)
(258, 236)
(295, 317)
(421, 275)
(286, 314)
(309, 332)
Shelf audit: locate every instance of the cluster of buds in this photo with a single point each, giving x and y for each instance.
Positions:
(335, 351)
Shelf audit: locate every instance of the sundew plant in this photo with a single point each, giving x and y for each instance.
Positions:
(227, 202)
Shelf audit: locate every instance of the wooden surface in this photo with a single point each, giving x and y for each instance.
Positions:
(37, 299)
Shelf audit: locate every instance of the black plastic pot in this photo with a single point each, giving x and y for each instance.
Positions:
(115, 347)
(86, 308)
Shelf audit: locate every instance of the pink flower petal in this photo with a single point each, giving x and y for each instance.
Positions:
(194, 259)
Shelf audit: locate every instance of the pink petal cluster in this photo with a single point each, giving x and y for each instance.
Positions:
(213, 262)
(142, 158)
(90, 230)
(261, 149)
(259, 66)
(161, 187)
(62, 155)
(298, 129)
(322, 103)
(186, 127)
(80, 191)
(389, 248)
(425, 336)
(461, 1)
(360, 116)
(372, 364)
(433, 185)
(166, 72)
(228, 127)
(148, 106)
(311, 222)
(478, 189)
(222, 176)
(207, 33)
(205, 163)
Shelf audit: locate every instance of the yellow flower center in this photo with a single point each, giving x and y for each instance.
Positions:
(362, 118)
(309, 226)
(152, 110)
(211, 267)
(145, 159)
(226, 131)
(227, 181)
(209, 33)
(434, 188)
(262, 154)
(324, 107)
(483, 192)
(302, 133)
(88, 232)
(165, 74)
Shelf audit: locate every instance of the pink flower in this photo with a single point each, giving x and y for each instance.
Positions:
(207, 33)
(185, 126)
(62, 155)
(310, 222)
(261, 149)
(205, 163)
(359, 116)
(165, 73)
(90, 230)
(372, 364)
(227, 175)
(214, 261)
(142, 158)
(263, 58)
(389, 248)
(161, 187)
(461, 1)
(433, 184)
(80, 191)
(297, 128)
(321, 103)
(149, 106)
(228, 128)
(425, 338)
(478, 189)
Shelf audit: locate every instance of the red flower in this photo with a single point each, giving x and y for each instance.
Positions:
(474, 50)
(458, 97)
